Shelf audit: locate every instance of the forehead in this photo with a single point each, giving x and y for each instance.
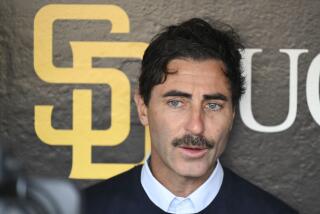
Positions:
(207, 76)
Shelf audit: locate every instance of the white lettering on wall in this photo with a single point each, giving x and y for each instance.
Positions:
(312, 88)
(246, 104)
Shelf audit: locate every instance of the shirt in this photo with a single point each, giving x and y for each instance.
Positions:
(168, 202)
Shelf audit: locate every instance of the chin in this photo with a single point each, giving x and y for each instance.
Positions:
(193, 170)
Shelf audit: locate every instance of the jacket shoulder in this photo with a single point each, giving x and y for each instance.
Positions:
(117, 182)
(112, 193)
(250, 197)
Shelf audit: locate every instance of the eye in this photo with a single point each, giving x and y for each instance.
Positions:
(213, 106)
(174, 103)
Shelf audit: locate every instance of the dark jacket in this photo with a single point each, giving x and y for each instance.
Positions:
(124, 194)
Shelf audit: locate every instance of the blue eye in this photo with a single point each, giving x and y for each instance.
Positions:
(174, 103)
(213, 106)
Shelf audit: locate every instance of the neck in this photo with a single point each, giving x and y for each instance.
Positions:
(181, 186)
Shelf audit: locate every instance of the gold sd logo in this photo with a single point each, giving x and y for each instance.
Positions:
(81, 137)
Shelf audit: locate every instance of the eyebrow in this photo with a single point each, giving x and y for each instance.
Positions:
(175, 93)
(214, 96)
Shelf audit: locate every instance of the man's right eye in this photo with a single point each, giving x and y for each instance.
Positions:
(174, 103)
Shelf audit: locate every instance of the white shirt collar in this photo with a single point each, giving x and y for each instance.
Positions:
(168, 202)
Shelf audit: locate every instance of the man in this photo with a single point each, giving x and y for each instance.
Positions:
(189, 87)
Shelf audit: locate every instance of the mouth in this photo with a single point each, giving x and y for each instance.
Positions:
(193, 151)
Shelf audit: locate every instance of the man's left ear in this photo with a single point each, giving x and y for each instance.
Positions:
(233, 116)
(141, 108)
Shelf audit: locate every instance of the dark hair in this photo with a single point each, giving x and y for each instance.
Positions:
(198, 40)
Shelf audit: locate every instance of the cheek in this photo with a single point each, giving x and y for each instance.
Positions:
(159, 129)
(165, 122)
(223, 138)
(219, 128)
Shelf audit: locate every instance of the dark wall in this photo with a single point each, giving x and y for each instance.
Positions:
(283, 161)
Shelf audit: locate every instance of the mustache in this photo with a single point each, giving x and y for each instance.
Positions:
(193, 140)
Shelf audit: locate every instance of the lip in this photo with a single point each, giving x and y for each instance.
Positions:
(193, 152)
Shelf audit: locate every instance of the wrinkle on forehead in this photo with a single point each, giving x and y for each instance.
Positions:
(172, 66)
(192, 73)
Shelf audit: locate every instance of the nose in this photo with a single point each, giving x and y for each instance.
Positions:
(195, 123)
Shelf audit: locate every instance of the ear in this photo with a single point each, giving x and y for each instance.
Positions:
(233, 115)
(141, 108)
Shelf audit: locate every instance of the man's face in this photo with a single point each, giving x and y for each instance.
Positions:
(190, 116)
